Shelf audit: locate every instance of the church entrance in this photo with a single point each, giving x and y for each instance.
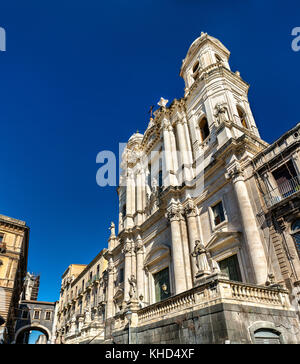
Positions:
(230, 266)
(162, 285)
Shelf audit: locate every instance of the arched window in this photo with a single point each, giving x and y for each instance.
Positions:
(242, 116)
(218, 58)
(296, 234)
(195, 70)
(195, 67)
(266, 336)
(204, 129)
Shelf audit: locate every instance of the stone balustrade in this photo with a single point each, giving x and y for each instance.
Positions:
(216, 291)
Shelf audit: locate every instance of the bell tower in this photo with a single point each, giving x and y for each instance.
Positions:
(213, 91)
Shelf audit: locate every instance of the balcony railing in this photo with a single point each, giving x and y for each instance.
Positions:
(282, 191)
(220, 290)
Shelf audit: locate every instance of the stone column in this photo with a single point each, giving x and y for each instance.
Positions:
(186, 252)
(133, 259)
(110, 288)
(174, 215)
(191, 217)
(251, 233)
(130, 198)
(140, 268)
(127, 270)
(189, 155)
(140, 197)
(183, 149)
(169, 175)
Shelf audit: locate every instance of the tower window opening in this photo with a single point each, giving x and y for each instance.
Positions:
(196, 67)
(218, 58)
(204, 129)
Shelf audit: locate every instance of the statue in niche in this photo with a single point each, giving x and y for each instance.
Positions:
(221, 113)
(200, 253)
(132, 290)
(87, 315)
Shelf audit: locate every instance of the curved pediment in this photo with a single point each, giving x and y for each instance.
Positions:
(156, 254)
(221, 239)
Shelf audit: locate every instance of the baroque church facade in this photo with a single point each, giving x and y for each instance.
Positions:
(191, 262)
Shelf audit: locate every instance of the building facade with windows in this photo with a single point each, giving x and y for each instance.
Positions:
(277, 174)
(14, 240)
(81, 307)
(189, 236)
(192, 261)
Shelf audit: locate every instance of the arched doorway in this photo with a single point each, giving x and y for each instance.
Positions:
(23, 334)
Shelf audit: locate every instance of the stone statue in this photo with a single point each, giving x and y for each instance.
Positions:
(87, 315)
(132, 291)
(201, 256)
(154, 185)
(220, 113)
(112, 229)
(214, 266)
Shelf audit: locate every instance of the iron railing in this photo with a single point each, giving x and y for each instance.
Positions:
(282, 191)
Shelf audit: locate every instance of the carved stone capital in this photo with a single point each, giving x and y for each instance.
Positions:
(235, 173)
(127, 248)
(190, 209)
(138, 245)
(174, 213)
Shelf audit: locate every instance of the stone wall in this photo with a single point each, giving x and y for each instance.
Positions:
(215, 325)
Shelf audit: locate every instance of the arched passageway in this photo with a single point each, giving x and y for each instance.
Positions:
(22, 335)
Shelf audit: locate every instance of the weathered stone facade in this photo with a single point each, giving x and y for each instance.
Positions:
(191, 262)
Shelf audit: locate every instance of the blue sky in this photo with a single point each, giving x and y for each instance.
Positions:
(79, 77)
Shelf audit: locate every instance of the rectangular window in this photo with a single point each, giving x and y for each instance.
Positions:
(297, 242)
(1, 238)
(218, 213)
(36, 315)
(162, 285)
(230, 266)
(121, 275)
(149, 175)
(48, 316)
(25, 314)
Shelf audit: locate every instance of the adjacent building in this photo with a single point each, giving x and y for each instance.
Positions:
(81, 308)
(277, 174)
(14, 240)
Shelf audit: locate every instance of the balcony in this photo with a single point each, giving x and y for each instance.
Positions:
(282, 191)
(215, 291)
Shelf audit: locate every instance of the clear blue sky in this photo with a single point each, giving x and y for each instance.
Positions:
(79, 77)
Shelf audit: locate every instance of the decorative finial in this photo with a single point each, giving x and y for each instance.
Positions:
(162, 102)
